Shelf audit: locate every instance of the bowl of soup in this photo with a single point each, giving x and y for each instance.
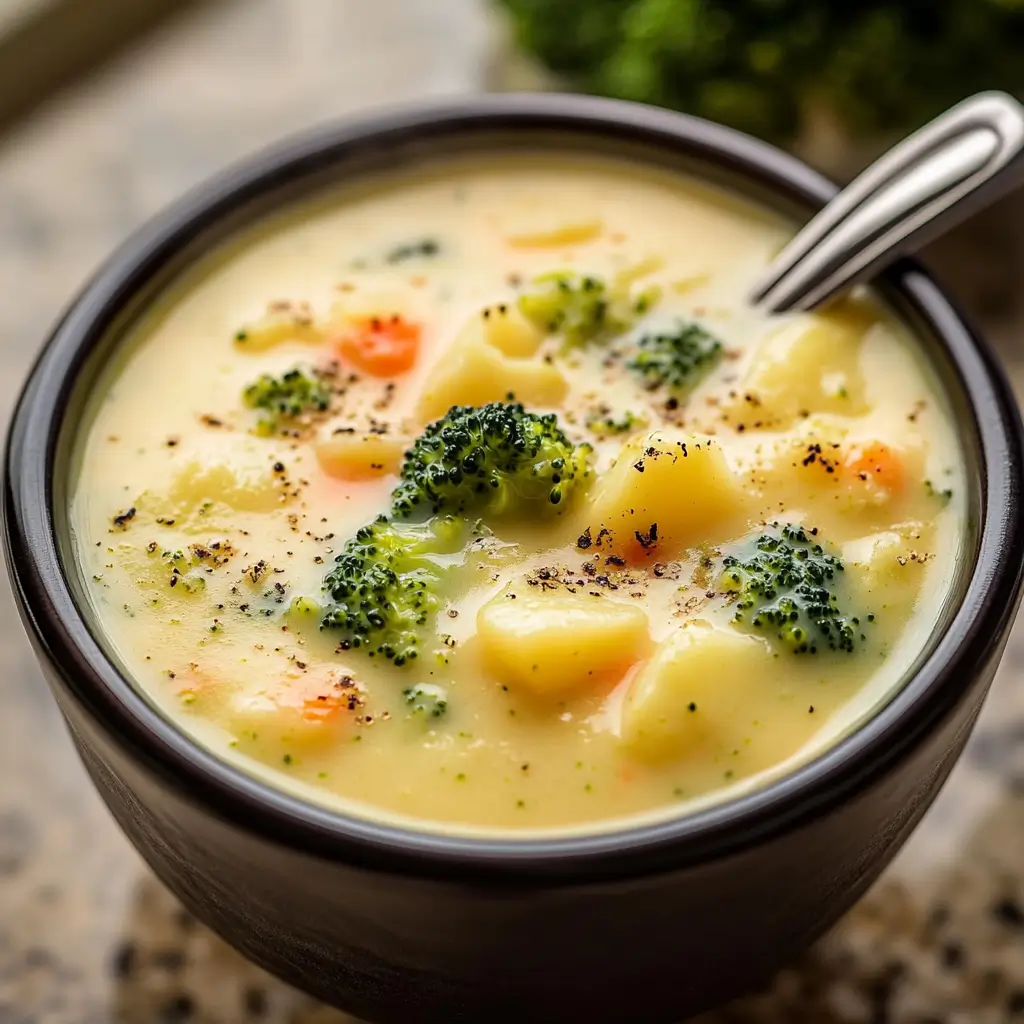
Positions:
(468, 604)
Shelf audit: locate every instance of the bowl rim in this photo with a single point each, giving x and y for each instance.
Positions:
(80, 668)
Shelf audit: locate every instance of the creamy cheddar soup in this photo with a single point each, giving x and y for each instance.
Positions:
(479, 498)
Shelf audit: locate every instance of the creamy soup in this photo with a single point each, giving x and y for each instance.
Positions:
(480, 499)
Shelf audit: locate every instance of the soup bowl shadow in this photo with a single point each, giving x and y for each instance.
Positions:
(648, 923)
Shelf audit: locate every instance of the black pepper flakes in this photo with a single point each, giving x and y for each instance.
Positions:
(122, 520)
(647, 540)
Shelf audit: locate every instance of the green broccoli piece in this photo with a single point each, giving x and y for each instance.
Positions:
(786, 587)
(581, 308)
(568, 304)
(384, 586)
(676, 359)
(426, 700)
(487, 461)
(422, 248)
(603, 422)
(934, 492)
(286, 398)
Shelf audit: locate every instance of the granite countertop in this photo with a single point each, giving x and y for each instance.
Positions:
(87, 936)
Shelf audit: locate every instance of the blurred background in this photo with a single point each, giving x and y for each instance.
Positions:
(111, 108)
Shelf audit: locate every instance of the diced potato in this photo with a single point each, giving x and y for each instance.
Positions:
(701, 689)
(244, 487)
(685, 285)
(667, 491)
(627, 277)
(282, 322)
(505, 327)
(501, 326)
(888, 568)
(475, 373)
(810, 365)
(558, 235)
(360, 456)
(364, 303)
(846, 482)
(554, 643)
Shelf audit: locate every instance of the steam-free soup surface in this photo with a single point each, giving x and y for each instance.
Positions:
(662, 548)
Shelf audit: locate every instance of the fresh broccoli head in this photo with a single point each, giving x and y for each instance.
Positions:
(785, 587)
(490, 460)
(756, 64)
(287, 397)
(384, 586)
(676, 359)
(581, 308)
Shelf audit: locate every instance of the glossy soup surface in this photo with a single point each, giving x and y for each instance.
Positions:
(742, 564)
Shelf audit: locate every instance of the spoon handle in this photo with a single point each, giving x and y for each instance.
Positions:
(933, 179)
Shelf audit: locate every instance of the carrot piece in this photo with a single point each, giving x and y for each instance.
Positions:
(325, 708)
(382, 346)
(878, 464)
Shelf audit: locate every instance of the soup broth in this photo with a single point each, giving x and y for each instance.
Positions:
(479, 498)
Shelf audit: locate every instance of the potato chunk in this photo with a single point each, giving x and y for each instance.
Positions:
(848, 484)
(360, 456)
(810, 365)
(242, 486)
(702, 688)
(283, 321)
(474, 372)
(569, 232)
(556, 643)
(361, 304)
(506, 328)
(667, 491)
(888, 568)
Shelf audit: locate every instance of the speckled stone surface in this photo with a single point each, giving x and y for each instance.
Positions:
(87, 936)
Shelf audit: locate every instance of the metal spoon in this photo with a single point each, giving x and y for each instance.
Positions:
(952, 167)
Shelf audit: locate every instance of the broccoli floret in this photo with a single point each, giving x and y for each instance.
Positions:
(603, 422)
(487, 461)
(426, 700)
(581, 308)
(676, 359)
(421, 248)
(285, 398)
(384, 585)
(786, 588)
(568, 304)
(934, 492)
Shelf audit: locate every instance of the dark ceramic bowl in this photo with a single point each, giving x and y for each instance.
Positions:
(648, 924)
